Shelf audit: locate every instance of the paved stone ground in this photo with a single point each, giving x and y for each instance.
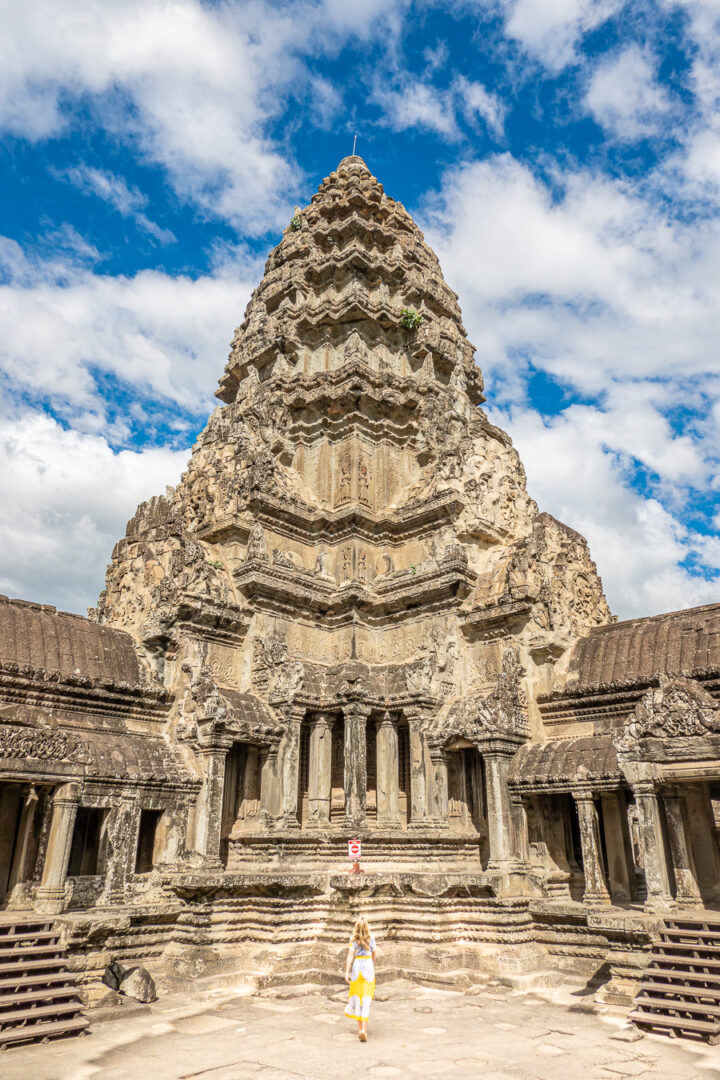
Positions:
(300, 1034)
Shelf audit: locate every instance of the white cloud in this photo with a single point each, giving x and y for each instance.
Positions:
(624, 95)
(64, 501)
(415, 102)
(551, 29)
(697, 164)
(593, 285)
(635, 542)
(159, 335)
(128, 201)
(190, 86)
(618, 301)
(477, 101)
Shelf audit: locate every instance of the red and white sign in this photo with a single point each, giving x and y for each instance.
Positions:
(354, 849)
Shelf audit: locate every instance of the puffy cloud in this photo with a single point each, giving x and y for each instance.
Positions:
(551, 29)
(615, 300)
(416, 102)
(624, 96)
(592, 284)
(477, 101)
(637, 544)
(192, 86)
(65, 498)
(161, 336)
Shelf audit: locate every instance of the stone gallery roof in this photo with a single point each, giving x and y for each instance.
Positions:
(248, 716)
(134, 758)
(564, 763)
(38, 636)
(637, 651)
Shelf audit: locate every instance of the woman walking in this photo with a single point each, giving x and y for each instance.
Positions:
(360, 976)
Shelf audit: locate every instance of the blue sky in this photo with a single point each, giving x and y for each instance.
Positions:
(562, 156)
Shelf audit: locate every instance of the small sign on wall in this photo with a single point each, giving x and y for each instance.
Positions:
(354, 850)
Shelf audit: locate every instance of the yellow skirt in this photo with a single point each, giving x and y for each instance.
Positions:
(362, 989)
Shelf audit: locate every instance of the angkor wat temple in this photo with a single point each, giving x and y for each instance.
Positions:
(350, 619)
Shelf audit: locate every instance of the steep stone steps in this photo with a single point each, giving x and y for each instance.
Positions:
(23, 997)
(38, 996)
(679, 992)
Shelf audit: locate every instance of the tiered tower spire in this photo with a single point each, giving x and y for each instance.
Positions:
(352, 533)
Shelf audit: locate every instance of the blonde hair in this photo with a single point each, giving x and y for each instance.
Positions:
(361, 933)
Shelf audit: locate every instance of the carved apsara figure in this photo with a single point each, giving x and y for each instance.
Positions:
(345, 478)
(362, 567)
(256, 546)
(364, 482)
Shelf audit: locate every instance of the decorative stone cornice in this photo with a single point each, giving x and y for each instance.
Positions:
(43, 744)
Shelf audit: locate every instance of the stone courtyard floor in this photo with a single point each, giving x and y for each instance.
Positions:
(415, 1031)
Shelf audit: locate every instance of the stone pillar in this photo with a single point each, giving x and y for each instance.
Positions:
(704, 841)
(657, 882)
(20, 867)
(418, 780)
(616, 845)
(388, 809)
(208, 818)
(50, 897)
(250, 808)
(596, 890)
(456, 788)
(320, 770)
(356, 716)
(270, 801)
(289, 760)
(439, 811)
(500, 837)
(121, 839)
(520, 824)
(687, 892)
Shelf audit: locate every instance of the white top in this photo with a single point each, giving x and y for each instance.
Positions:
(360, 951)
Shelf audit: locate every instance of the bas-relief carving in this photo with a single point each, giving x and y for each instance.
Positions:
(256, 545)
(678, 708)
(42, 744)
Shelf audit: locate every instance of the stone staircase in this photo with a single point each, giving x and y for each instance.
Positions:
(679, 992)
(38, 996)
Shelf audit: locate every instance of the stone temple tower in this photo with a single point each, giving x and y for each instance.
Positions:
(349, 620)
(350, 593)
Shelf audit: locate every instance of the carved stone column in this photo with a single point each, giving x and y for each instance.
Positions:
(208, 817)
(250, 809)
(439, 804)
(289, 759)
(270, 801)
(320, 770)
(500, 829)
(20, 867)
(123, 822)
(418, 779)
(651, 838)
(687, 890)
(457, 794)
(356, 716)
(703, 841)
(388, 809)
(50, 897)
(520, 823)
(617, 845)
(596, 890)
